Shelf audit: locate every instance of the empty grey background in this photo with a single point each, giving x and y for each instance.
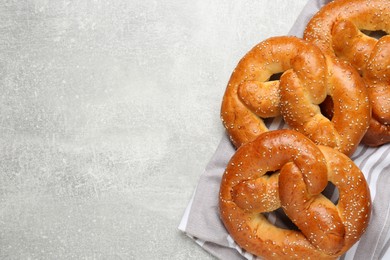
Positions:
(109, 113)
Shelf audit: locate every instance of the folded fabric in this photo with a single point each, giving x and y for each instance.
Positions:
(201, 221)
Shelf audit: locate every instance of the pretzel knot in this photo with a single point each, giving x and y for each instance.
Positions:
(301, 171)
(346, 29)
(307, 79)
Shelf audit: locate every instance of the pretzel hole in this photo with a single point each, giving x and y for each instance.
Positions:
(268, 121)
(327, 107)
(276, 76)
(331, 192)
(269, 173)
(375, 34)
(279, 219)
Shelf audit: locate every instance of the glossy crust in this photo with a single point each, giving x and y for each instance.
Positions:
(308, 78)
(337, 29)
(326, 230)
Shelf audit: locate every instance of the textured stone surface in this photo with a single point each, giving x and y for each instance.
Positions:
(109, 112)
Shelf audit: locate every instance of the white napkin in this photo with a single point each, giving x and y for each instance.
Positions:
(201, 220)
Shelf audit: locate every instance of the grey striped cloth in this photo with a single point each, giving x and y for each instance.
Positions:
(201, 221)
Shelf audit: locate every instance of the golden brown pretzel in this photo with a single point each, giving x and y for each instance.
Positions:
(307, 79)
(337, 30)
(326, 230)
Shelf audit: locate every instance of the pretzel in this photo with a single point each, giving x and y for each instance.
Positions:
(337, 29)
(301, 170)
(308, 78)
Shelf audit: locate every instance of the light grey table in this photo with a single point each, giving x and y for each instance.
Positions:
(109, 114)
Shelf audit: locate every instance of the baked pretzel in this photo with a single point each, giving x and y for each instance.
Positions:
(307, 79)
(338, 30)
(301, 171)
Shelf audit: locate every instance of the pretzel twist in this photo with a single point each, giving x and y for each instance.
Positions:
(308, 78)
(337, 29)
(302, 172)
